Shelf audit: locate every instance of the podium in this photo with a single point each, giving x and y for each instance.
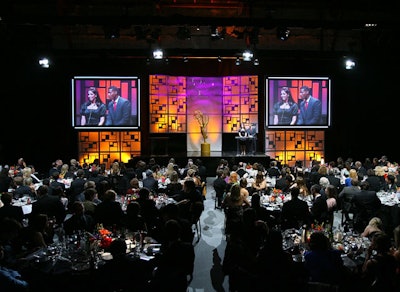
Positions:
(250, 144)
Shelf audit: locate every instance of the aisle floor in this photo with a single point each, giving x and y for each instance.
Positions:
(208, 275)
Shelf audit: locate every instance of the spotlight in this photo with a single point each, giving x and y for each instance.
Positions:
(158, 54)
(282, 33)
(256, 62)
(349, 64)
(247, 55)
(237, 62)
(185, 59)
(219, 59)
(44, 63)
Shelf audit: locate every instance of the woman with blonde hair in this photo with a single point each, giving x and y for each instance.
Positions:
(305, 193)
(374, 226)
(353, 175)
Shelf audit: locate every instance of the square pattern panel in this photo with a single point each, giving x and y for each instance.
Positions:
(108, 146)
(291, 146)
(168, 101)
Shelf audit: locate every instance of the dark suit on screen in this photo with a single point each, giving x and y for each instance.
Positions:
(121, 116)
(313, 114)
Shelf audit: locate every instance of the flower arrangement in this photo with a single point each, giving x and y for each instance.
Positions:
(104, 235)
(276, 192)
(316, 227)
(202, 119)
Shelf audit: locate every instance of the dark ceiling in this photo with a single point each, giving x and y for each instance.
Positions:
(132, 27)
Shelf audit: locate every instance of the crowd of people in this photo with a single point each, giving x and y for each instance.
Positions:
(79, 197)
(316, 194)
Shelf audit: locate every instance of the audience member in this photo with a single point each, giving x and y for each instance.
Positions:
(149, 211)
(109, 211)
(79, 220)
(10, 211)
(123, 272)
(219, 185)
(319, 208)
(295, 212)
(49, 205)
(374, 226)
(271, 258)
(90, 202)
(38, 234)
(133, 220)
(390, 184)
(174, 187)
(261, 212)
(273, 170)
(150, 182)
(322, 262)
(346, 196)
(11, 280)
(21, 189)
(175, 263)
(379, 268)
(260, 183)
(367, 205)
(375, 182)
(6, 181)
(77, 186)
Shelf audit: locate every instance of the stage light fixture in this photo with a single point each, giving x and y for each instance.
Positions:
(256, 62)
(158, 54)
(219, 59)
(247, 55)
(282, 33)
(185, 59)
(349, 64)
(237, 62)
(44, 63)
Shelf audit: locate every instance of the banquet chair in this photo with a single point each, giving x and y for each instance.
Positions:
(197, 209)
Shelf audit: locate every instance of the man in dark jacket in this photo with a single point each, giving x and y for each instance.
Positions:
(295, 212)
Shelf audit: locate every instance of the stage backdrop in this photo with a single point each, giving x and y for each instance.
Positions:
(227, 101)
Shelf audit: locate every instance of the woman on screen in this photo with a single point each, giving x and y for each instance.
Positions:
(285, 110)
(93, 111)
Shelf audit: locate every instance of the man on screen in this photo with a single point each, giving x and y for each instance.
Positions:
(119, 109)
(310, 108)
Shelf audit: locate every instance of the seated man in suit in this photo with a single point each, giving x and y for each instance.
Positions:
(368, 205)
(295, 212)
(345, 198)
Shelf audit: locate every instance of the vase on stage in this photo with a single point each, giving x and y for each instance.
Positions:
(205, 149)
